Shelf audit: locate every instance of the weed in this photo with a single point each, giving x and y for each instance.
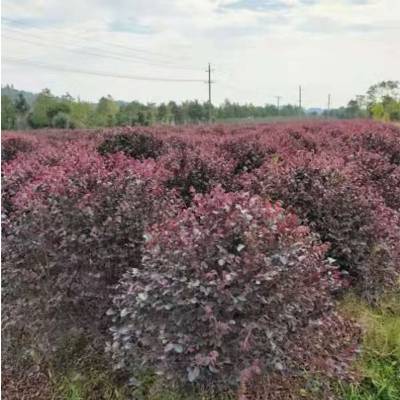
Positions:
(379, 364)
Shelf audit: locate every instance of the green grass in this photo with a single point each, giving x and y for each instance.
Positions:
(100, 387)
(379, 362)
(93, 385)
(93, 380)
(378, 365)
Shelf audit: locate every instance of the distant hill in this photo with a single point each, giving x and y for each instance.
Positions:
(315, 111)
(11, 92)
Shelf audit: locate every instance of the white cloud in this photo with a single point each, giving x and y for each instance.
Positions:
(259, 49)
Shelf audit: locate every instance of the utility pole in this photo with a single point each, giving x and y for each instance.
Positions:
(299, 98)
(209, 92)
(329, 102)
(278, 98)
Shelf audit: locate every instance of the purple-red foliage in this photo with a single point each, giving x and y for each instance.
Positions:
(362, 231)
(385, 143)
(76, 227)
(74, 223)
(225, 283)
(14, 144)
(246, 154)
(135, 144)
(196, 170)
(372, 170)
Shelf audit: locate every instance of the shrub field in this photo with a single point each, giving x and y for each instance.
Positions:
(205, 262)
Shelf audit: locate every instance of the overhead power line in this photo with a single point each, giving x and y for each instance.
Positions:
(97, 73)
(96, 54)
(139, 52)
(248, 90)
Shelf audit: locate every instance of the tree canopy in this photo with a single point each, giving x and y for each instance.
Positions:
(381, 101)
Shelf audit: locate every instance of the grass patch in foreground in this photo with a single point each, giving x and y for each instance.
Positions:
(378, 367)
(100, 387)
(87, 376)
(93, 385)
(379, 362)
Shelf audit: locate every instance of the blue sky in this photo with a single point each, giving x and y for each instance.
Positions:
(258, 49)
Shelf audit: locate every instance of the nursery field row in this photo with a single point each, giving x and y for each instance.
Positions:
(204, 258)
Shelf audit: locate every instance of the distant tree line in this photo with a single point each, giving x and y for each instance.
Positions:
(46, 110)
(381, 102)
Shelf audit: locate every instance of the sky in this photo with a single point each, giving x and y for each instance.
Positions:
(257, 49)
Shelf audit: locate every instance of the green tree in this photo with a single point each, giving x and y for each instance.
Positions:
(58, 107)
(151, 113)
(8, 113)
(106, 111)
(128, 114)
(195, 111)
(384, 100)
(82, 114)
(21, 105)
(22, 108)
(162, 113)
(177, 114)
(61, 120)
(39, 116)
(376, 93)
(378, 112)
(392, 108)
(142, 118)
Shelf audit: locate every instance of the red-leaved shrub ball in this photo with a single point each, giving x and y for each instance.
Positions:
(222, 286)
